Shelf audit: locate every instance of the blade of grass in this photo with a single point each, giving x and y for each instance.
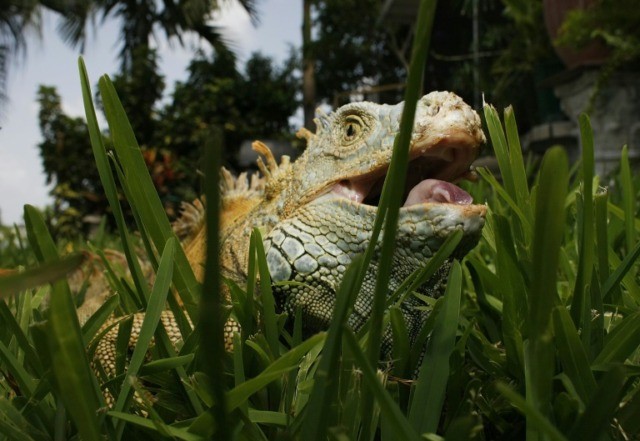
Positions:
(621, 271)
(145, 198)
(547, 239)
(46, 273)
(601, 408)
(73, 378)
(392, 412)
(325, 382)
(534, 416)
(211, 324)
(391, 198)
(621, 342)
(147, 329)
(628, 199)
(572, 354)
(586, 234)
(108, 181)
(239, 394)
(429, 394)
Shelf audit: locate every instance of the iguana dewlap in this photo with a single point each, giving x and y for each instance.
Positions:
(317, 213)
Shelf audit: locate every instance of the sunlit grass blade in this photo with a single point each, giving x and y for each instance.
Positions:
(73, 378)
(501, 149)
(516, 162)
(268, 302)
(107, 179)
(45, 273)
(145, 198)
(429, 394)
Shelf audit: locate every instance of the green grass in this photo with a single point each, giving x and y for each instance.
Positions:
(536, 337)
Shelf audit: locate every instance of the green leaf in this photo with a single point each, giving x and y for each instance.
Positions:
(239, 394)
(572, 354)
(46, 273)
(534, 417)
(179, 433)
(149, 324)
(388, 407)
(620, 343)
(74, 380)
(547, 240)
(144, 196)
(429, 394)
(600, 410)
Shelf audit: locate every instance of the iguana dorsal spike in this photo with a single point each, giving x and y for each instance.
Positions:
(262, 149)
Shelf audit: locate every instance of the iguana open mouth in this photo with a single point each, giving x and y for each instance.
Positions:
(431, 177)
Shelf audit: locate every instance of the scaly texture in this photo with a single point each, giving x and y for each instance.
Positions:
(317, 213)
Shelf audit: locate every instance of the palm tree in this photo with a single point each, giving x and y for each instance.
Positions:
(140, 20)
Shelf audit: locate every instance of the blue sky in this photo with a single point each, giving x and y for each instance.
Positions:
(49, 61)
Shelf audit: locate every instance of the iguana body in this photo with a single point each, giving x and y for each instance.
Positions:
(317, 213)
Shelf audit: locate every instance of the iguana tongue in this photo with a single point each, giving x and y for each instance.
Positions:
(428, 190)
(434, 190)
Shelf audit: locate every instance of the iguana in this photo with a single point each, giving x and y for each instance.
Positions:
(317, 213)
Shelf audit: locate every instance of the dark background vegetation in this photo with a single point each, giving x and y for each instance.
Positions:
(353, 50)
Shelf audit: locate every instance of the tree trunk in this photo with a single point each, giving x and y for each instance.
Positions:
(308, 68)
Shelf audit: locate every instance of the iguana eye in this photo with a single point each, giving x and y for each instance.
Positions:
(352, 128)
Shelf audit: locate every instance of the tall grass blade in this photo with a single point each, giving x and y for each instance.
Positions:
(149, 324)
(211, 324)
(108, 181)
(621, 342)
(547, 239)
(145, 198)
(586, 238)
(628, 199)
(389, 408)
(74, 380)
(595, 420)
(429, 394)
(46, 273)
(572, 354)
(325, 382)
(539, 422)
(391, 198)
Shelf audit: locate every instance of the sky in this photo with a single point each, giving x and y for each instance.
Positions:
(50, 62)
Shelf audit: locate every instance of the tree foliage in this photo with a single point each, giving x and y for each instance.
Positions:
(253, 103)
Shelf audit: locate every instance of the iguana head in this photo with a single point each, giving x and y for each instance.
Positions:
(351, 150)
(317, 213)
(326, 203)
